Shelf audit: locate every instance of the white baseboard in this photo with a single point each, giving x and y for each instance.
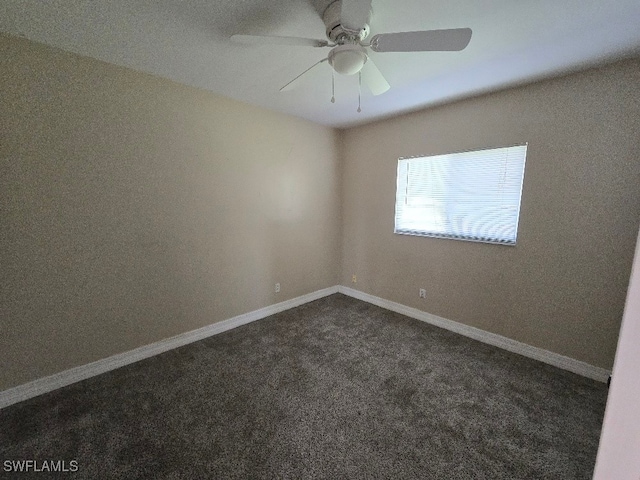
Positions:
(73, 375)
(551, 358)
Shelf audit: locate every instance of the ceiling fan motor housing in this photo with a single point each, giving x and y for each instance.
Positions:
(335, 31)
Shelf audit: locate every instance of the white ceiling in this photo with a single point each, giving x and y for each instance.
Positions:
(514, 41)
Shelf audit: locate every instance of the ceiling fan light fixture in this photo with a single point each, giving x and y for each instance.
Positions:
(347, 59)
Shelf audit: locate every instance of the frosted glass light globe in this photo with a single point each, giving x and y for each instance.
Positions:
(347, 59)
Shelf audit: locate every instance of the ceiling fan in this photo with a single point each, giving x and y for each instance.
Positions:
(347, 24)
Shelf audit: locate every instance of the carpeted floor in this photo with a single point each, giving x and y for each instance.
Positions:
(336, 388)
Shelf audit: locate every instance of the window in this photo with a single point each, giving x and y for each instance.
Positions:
(465, 196)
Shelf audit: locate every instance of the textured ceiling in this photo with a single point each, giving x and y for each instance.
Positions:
(188, 41)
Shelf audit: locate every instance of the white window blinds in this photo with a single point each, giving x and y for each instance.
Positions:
(466, 196)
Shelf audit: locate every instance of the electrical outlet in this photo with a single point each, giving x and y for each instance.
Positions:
(277, 288)
(354, 279)
(423, 293)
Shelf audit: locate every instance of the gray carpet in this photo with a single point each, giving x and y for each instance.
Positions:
(336, 388)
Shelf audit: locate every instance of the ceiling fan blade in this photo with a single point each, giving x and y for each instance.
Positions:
(292, 84)
(355, 14)
(373, 78)
(451, 40)
(274, 40)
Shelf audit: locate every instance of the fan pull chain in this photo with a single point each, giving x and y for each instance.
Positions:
(359, 89)
(333, 86)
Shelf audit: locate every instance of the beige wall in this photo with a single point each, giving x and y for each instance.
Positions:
(134, 209)
(563, 286)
